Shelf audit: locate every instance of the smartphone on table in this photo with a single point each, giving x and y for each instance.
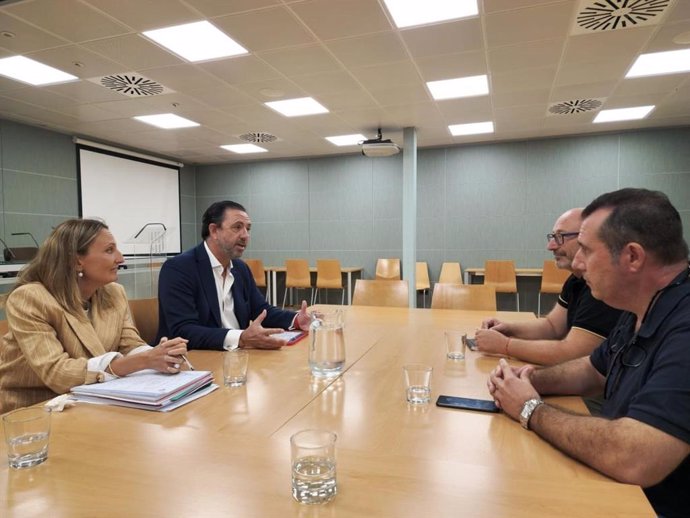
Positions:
(463, 403)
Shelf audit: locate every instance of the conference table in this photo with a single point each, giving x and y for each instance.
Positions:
(272, 280)
(227, 454)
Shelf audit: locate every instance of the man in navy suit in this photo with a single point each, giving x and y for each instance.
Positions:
(208, 295)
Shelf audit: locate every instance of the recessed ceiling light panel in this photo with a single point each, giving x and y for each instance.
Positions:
(409, 13)
(660, 63)
(623, 114)
(198, 41)
(297, 107)
(243, 149)
(167, 121)
(470, 86)
(32, 72)
(346, 140)
(475, 128)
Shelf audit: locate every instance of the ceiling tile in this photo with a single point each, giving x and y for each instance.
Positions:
(26, 37)
(266, 29)
(400, 73)
(525, 55)
(133, 52)
(85, 92)
(521, 80)
(148, 14)
(447, 66)
(369, 50)
(240, 69)
(620, 46)
(348, 100)
(470, 109)
(400, 94)
(330, 19)
(271, 90)
(83, 23)
(182, 77)
(90, 63)
(583, 72)
(327, 83)
(302, 60)
(493, 6)
(543, 22)
(212, 8)
(444, 38)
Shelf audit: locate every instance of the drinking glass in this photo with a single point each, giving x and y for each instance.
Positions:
(327, 343)
(313, 466)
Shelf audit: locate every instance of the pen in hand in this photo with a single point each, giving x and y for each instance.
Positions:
(189, 365)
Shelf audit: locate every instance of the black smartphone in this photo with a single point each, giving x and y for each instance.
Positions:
(483, 405)
(470, 343)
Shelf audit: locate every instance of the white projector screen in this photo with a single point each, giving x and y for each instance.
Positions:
(131, 194)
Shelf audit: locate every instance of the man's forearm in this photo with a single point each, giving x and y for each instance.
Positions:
(576, 377)
(537, 329)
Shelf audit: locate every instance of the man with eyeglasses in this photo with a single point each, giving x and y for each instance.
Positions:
(633, 256)
(573, 328)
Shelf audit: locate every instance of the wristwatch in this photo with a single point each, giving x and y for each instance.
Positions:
(527, 410)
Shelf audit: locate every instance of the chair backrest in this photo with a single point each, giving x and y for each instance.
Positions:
(257, 268)
(422, 281)
(501, 274)
(388, 269)
(328, 274)
(464, 296)
(451, 273)
(381, 293)
(20, 253)
(552, 277)
(145, 316)
(297, 273)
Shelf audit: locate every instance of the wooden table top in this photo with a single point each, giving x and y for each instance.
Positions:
(228, 454)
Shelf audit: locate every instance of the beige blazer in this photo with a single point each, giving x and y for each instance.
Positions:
(46, 349)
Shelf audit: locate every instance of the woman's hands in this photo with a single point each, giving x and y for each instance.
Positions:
(167, 355)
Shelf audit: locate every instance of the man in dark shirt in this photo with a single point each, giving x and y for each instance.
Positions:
(573, 328)
(633, 256)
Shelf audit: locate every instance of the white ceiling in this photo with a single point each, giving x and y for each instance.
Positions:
(346, 54)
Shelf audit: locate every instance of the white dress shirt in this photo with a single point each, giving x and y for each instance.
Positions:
(225, 301)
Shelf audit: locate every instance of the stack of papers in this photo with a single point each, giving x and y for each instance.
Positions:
(149, 390)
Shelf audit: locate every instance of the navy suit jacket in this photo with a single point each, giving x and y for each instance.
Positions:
(188, 302)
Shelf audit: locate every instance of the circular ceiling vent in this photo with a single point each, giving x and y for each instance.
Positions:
(576, 106)
(608, 15)
(258, 137)
(132, 85)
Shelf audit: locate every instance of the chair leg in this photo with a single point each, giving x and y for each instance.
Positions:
(284, 296)
(315, 294)
(342, 298)
(539, 305)
(517, 300)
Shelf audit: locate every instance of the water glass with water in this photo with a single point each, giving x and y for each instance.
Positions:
(27, 431)
(327, 343)
(417, 383)
(313, 466)
(455, 345)
(235, 365)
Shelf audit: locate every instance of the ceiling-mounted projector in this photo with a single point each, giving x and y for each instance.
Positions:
(378, 147)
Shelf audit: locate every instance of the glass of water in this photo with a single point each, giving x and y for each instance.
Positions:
(313, 466)
(26, 432)
(417, 383)
(326, 343)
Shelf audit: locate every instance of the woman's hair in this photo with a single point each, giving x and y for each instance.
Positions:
(55, 264)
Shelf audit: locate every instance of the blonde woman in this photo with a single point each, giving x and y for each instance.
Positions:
(69, 322)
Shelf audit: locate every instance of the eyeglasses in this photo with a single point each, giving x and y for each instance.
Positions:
(560, 237)
(631, 355)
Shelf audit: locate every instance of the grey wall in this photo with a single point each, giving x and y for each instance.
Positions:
(38, 190)
(475, 202)
(38, 184)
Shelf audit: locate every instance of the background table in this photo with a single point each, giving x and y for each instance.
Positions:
(228, 454)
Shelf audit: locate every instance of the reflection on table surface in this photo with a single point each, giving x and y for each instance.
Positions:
(228, 453)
